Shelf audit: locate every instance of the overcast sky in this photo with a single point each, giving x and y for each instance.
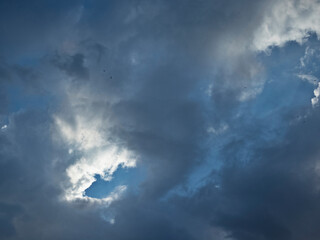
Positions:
(159, 120)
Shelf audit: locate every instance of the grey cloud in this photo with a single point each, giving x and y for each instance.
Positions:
(72, 65)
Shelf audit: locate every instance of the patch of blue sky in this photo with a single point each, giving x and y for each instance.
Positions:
(130, 177)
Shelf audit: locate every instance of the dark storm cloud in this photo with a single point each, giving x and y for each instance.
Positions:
(7, 213)
(273, 195)
(164, 126)
(146, 69)
(4, 78)
(29, 28)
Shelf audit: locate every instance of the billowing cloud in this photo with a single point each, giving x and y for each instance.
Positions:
(285, 21)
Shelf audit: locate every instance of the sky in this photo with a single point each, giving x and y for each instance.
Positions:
(162, 120)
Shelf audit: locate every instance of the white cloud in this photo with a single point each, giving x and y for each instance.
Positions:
(4, 127)
(209, 90)
(308, 54)
(105, 202)
(224, 127)
(86, 133)
(315, 99)
(254, 89)
(287, 20)
(310, 78)
(105, 162)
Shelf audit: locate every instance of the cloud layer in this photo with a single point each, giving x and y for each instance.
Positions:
(213, 104)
